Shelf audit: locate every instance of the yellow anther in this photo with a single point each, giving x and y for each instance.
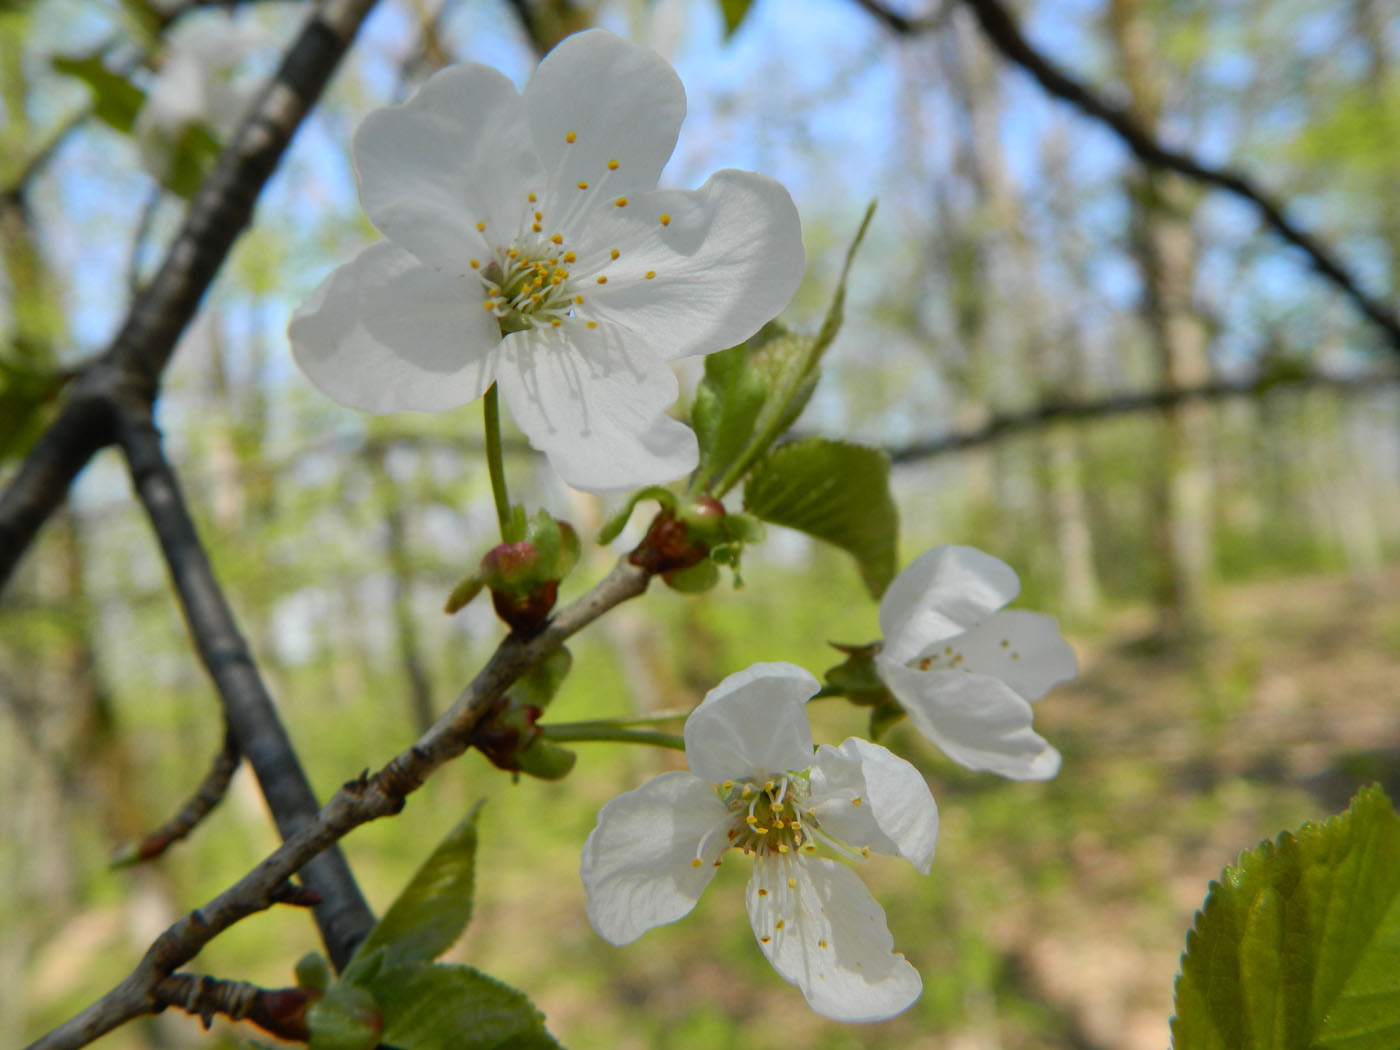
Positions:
(592, 324)
(925, 663)
(476, 264)
(1015, 656)
(554, 322)
(571, 137)
(748, 791)
(762, 892)
(821, 944)
(583, 185)
(481, 227)
(1005, 643)
(948, 650)
(602, 279)
(490, 304)
(615, 253)
(570, 257)
(539, 215)
(650, 274)
(761, 831)
(697, 861)
(865, 851)
(782, 848)
(613, 164)
(765, 939)
(792, 883)
(795, 824)
(856, 801)
(751, 819)
(768, 785)
(536, 227)
(578, 299)
(557, 238)
(512, 254)
(621, 202)
(778, 925)
(665, 219)
(727, 785)
(532, 198)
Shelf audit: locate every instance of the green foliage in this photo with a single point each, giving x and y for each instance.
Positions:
(436, 905)
(752, 393)
(393, 993)
(27, 396)
(115, 100)
(834, 491)
(734, 12)
(1298, 946)
(614, 525)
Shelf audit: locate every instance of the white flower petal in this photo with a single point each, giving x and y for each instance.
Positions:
(596, 407)
(976, 720)
(895, 814)
(752, 723)
(1024, 649)
(834, 943)
(728, 259)
(638, 863)
(618, 101)
(384, 333)
(941, 594)
(456, 154)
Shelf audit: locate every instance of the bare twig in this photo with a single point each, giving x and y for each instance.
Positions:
(199, 805)
(343, 916)
(281, 1011)
(903, 24)
(1001, 29)
(1051, 412)
(129, 371)
(356, 803)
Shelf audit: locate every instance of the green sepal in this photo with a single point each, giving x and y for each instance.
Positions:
(614, 526)
(545, 760)
(883, 716)
(434, 908)
(857, 677)
(516, 524)
(1298, 945)
(115, 100)
(557, 543)
(835, 491)
(462, 594)
(696, 579)
(313, 971)
(537, 686)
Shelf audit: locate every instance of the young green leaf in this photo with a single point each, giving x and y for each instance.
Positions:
(613, 527)
(436, 905)
(115, 100)
(734, 12)
(445, 1007)
(834, 491)
(727, 403)
(1298, 946)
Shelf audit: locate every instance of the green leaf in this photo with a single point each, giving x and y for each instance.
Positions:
(834, 491)
(444, 1007)
(785, 365)
(1298, 946)
(347, 1017)
(193, 155)
(734, 12)
(436, 905)
(116, 100)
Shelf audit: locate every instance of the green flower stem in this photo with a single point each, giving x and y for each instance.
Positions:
(576, 732)
(660, 718)
(495, 464)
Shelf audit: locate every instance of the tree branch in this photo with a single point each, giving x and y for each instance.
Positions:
(343, 916)
(356, 803)
(903, 24)
(1051, 412)
(129, 371)
(1001, 29)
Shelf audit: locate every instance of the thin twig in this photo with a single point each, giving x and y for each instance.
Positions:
(281, 1011)
(1001, 29)
(1051, 412)
(129, 371)
(904, 24)
(206, 797)
(356, 803)
(343, 916)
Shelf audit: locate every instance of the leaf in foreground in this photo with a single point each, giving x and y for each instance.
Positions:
(1298, 946)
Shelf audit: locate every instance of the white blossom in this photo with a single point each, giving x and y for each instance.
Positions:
(197, 85)
(964, 669)
(527, 245)
(757, 786)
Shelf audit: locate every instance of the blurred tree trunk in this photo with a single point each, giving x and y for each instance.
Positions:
(1164, 244)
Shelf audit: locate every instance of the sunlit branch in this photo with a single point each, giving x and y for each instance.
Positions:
(1051, 412)
(357, 802)
(343, 916)
(129, 371)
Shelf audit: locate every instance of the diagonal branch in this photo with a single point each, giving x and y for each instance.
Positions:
(356, 803)
(1051, 412)
(1001, 29)
(343, 916)
(129, 371)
